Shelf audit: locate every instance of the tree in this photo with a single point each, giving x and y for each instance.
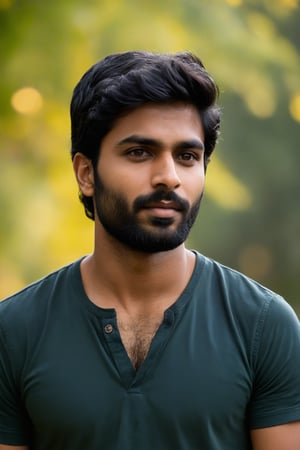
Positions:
(250, 216)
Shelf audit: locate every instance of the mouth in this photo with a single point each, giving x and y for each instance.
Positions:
(164, 204)
(163, 208)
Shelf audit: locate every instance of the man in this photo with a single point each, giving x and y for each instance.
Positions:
(144, 344)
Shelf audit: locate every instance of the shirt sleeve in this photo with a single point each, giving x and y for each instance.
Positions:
(276, 361)
(14, 423)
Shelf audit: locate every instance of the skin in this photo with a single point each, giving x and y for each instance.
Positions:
(12, 447)
(282, 437)
(129, 280)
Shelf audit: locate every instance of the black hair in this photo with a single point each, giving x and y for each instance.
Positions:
(124, 81)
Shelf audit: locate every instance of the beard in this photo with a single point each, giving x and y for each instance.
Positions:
(122, 223)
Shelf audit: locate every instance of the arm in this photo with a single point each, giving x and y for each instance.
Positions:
(281, 437)
(12, 423)
(12, 447)
(274, 409)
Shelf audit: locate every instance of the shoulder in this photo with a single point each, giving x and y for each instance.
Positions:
(269, 329)
(27, 316)
(251, 304)
(34, 298)
(232, 284)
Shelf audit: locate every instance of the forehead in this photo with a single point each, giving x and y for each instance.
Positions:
(166, 122)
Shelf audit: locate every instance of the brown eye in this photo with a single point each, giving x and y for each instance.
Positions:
(188, 157)
(138, 153)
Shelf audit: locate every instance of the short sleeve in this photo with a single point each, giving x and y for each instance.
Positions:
(276, 362)
(13, 417)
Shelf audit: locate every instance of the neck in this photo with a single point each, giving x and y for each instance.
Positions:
(115, 276)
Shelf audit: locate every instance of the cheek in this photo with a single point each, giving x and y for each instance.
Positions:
(193, 185)
(130, 186)
(122, 176)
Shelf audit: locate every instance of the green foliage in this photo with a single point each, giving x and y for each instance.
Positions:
(250, 217)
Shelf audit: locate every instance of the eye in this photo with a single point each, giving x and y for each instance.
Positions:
(188, 157)
(138, 153)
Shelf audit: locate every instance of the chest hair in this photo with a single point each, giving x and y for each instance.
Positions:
(137, 335)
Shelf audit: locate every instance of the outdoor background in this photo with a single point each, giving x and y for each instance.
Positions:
(250, 216)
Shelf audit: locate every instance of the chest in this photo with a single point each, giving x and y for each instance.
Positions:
(191, 382)
(204, 367)
(137, 334)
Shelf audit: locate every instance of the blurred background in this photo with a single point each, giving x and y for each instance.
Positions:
(250, 216)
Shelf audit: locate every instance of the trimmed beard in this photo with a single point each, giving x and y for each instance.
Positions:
(120, 222)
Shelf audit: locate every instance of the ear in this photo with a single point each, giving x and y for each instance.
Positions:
(84, 173)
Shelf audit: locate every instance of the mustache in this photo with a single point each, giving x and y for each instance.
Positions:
(143, 201)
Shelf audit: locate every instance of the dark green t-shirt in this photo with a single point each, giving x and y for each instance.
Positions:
(225, 359)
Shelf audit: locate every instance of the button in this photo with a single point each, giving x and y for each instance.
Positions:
(108, 328)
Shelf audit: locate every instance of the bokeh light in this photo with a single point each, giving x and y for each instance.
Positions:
(295, 107)
(226, 189)
(27, 100)
(234, 2)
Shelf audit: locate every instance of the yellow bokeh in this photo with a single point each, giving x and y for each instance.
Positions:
(226, 189)
(259, 95)
(289, 4)
(295, 107)
(27, 100)
(234, 2)
(261, 102)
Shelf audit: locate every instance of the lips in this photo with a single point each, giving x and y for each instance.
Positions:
(164, 204)
(161, 202)
(163, 209)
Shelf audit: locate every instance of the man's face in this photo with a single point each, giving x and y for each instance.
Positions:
(149, 180)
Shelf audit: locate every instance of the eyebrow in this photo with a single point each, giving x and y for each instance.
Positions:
(137, 139)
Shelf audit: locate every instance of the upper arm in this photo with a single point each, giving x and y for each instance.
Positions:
(275, 399)
(14, 420)
(281, 437)
(12, 447)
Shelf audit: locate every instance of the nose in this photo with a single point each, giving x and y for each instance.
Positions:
(164, 173)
